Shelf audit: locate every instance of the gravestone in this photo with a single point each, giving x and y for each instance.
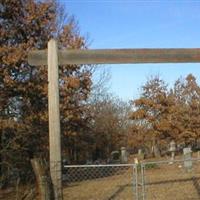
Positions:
(198, 154)
(124, 155)
(140, 154)
(187, 152)
(139, 151)
(198, 144)
(115, 157)
(172, 149)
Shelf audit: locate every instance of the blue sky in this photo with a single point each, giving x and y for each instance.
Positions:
(139, 24)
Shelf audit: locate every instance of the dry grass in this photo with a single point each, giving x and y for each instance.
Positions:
(25, 192)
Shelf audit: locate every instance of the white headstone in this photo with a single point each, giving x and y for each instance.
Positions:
(187, 152)
(172, 149)
(139, 151)
(124, 155)
(140, 154)
(198, 154)
(172, 146)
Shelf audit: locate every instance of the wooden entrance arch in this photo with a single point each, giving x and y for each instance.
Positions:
(54, 57)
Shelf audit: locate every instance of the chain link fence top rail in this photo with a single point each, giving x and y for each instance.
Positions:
(167, 180)
(100, 182)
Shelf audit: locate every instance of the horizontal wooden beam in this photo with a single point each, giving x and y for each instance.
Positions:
(118, 56)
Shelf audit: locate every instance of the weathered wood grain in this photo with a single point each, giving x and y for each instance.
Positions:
(118, 56)
(54, 120)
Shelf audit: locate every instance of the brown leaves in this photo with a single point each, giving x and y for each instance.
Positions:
(73, 82)
(27, 25)
(168, 114)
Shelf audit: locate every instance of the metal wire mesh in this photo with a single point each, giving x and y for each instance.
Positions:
(100, 182)
(171, 180)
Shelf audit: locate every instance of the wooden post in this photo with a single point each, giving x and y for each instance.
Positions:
(42, 179)
(118, 56)
(54, 120)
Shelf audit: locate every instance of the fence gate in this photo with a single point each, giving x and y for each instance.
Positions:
(101, 182)
(169, 179)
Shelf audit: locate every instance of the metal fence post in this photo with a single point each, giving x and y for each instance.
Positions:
(143, 181)
(135, 180)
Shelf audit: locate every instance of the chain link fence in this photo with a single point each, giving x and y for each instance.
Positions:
(100, 182)
(178, 179)
(159, 180)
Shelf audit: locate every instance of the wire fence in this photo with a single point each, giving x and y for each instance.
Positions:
(178, 179)
(100, 182)
(158, 180)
